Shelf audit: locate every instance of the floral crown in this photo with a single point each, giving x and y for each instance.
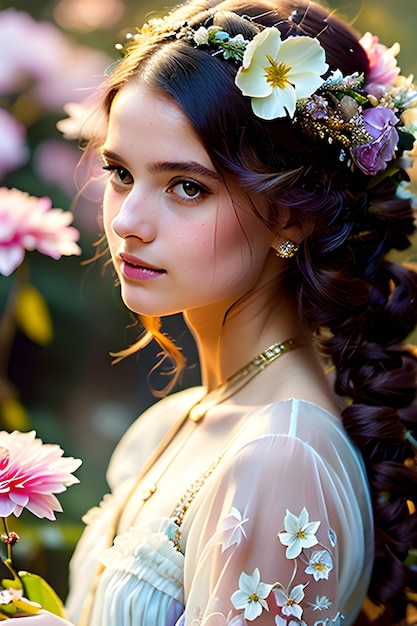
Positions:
(372, 118)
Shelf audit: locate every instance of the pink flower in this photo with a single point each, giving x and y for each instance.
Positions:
(29, 223)
(13, 149)
(77, 70)
(55, 162)
(30, 473)
(16, 28)
(39, 57)
(83, 118)
(383, 68)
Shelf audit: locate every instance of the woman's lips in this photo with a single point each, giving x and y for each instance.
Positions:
(137, 269)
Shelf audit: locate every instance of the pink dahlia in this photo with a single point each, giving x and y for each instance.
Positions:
(29, 223)
(30, 473)
(383, 68)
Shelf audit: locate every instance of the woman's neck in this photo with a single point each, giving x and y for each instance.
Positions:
(229, 336)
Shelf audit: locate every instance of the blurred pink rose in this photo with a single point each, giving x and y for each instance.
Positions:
(40, 53)
(29, 223)
(383, 68)
(13, 149)
(55, 162)
(30, 473)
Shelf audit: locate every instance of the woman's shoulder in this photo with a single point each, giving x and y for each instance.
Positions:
(294, 417)
(313, 427)
(294, 447)
(145, 433)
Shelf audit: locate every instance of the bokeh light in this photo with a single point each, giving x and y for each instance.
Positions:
(88, 15)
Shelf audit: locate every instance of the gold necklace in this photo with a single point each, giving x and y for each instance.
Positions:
(240, 378)
(198, 411)
(196, 414)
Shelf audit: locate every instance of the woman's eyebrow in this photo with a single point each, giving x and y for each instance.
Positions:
(110, 155)
(190, 167)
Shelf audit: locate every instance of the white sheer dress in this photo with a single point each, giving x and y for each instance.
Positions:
(279, 533)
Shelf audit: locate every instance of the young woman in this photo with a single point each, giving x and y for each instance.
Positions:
(255, 155)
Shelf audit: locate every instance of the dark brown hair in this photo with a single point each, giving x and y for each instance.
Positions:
(360, 305)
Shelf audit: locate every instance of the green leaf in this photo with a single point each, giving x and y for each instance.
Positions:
(7, 609)
(37, 590)
(32, 315)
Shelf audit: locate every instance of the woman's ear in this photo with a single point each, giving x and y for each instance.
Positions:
(289, 237)
(292, 232)
(290, 226)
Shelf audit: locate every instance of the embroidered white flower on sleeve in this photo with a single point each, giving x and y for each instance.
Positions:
(299, 533)
(321, 604)
(290, 604)
(251, 595)
(232, 529)
(320, 565)
(305, 550)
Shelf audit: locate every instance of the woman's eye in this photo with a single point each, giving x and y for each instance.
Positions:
(119, 174)
(188, 190)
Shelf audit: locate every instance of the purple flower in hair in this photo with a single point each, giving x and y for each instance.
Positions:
(372, 157)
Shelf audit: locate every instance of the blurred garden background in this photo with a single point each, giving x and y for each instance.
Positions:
(56, 374)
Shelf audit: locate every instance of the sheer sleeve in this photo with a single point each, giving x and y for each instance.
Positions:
(279, 536)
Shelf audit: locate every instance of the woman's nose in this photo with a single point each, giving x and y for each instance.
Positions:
(134, 219)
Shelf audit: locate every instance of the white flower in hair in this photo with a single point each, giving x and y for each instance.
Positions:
(276, 74)
(201, 36)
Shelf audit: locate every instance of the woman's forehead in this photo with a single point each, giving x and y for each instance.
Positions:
(144, 117)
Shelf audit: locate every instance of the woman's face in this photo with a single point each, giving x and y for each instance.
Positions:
(177, 240)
